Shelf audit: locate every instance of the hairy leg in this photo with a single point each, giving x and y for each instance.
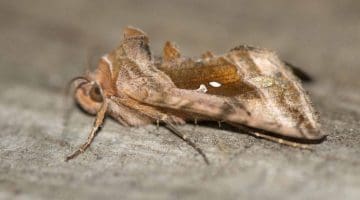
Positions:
(184, 137)
(159, 116)
(97, 124)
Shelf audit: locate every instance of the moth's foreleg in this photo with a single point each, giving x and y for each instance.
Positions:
(97, 124)
(159, 116)
(187, 140)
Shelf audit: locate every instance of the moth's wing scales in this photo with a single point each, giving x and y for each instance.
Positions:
(135, 46)
(247, 86)
(257, 80)
(207, 55)
(132, 32)
(170, 52)
(282, 97)
(218, 75)
(209, 106)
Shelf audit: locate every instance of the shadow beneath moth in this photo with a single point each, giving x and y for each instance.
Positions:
(248, 88)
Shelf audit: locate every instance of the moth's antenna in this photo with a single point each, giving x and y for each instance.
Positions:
(69, 87)
(88, 55)
(73, 85)
(184, 137)
(66, 94)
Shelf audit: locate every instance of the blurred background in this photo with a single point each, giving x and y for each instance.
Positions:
(44, 44)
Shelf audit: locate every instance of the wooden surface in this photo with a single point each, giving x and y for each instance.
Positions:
(43, 45)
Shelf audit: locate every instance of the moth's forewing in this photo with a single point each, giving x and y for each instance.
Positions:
(283, 98)
(259, 81)
(210, 73)
(248, 86)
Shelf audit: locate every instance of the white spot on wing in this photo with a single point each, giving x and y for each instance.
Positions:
(202, 89)
(214, 84)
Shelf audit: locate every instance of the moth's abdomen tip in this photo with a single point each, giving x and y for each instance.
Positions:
(311, 134)
(318, 135)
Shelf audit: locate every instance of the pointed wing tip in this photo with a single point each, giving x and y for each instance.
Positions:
(207, 55)
(313, 135)
(131, 31)
(170, 51)
(317, 135)
(170, 45)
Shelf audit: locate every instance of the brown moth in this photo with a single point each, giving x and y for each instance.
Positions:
(247, 87)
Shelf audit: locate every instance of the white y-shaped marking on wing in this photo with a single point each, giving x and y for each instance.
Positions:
(202, 89)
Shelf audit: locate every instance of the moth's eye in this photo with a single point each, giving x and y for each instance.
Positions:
(95, 93)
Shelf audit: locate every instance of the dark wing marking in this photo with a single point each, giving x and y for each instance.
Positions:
(191, 75)
(302, 75)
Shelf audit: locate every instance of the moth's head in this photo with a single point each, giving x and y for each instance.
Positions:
(88, 94)
(91, 89)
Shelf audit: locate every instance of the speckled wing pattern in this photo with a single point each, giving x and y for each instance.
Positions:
(248, 86)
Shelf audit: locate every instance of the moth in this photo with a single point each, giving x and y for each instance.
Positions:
(247, 87)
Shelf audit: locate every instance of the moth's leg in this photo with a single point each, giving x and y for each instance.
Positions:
(187, 140)
(219, 123)
(160, 116)
(97, 123)
(157, 124)
(281, 141)
(195, 121)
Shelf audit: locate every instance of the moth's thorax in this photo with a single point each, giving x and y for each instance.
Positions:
(103, 78)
